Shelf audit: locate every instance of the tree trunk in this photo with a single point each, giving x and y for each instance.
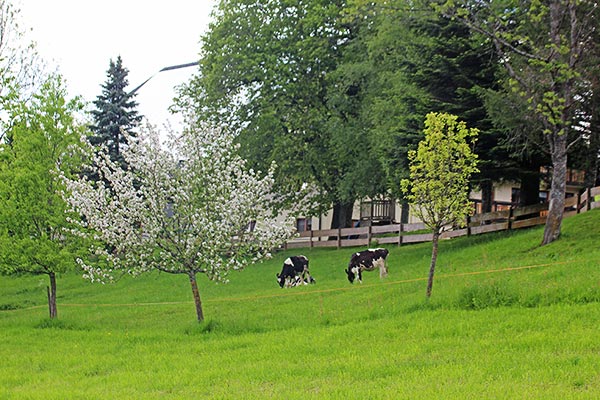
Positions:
(530, 185)
(558, 189)
(404, 212)
(52, 296)
(342, 215)
(196, 295)
(486, 196)
(434, 252)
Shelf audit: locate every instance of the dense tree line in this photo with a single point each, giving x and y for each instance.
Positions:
(336, 92)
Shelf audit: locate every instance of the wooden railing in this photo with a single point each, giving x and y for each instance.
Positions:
(399, 234)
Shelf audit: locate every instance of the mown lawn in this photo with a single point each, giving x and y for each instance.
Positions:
(508, 319)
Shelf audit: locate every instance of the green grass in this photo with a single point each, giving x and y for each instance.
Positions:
(507, 319)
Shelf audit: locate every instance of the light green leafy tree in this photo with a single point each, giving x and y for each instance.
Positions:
(33, 222)
(440, 170)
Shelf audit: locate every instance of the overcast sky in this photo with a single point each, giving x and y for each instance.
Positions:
(80, 37)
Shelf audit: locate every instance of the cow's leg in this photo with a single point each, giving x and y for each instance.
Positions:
(306, 278)
(357, 274)
(289, 281)
(382, 268)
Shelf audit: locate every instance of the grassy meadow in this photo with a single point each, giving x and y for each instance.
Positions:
(507, 320)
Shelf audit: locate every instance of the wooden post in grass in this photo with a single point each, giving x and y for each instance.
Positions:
(400, 230)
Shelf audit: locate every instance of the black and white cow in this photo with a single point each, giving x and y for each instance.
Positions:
(294, 272)
(367, 260)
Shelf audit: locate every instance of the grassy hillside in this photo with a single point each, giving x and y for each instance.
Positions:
(507, 319)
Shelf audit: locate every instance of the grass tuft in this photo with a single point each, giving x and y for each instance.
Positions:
(486, 295)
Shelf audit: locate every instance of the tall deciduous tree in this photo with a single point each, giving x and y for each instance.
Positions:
(268, 70)
(33, 215)
(21, 69)
(543, 46)
(440, 170)
(115, 116)
(185, 208)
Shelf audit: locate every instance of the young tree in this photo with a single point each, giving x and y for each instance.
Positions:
(185, 208)
(115, 112)
(439, 177)
(32, 212)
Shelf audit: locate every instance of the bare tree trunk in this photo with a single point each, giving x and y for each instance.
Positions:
(530, 185)
(434, 252)
(52, 296)
(487, 191)
(342, 215)
(558, 188)
(196, 295)
(404, 212)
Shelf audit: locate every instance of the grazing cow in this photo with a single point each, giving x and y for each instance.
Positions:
(294, 272)
(367, 260)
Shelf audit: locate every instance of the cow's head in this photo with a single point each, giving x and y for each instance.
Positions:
(350, 274)
(280, 280)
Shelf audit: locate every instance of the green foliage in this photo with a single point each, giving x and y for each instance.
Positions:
(33, 215)
(32, 212)
(440, 170)
(282, 75)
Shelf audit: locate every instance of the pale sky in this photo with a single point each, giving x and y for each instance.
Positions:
(80, 37)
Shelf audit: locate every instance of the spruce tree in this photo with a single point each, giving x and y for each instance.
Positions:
(115, 113)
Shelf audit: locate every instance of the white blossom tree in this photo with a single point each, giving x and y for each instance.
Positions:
(188, 206)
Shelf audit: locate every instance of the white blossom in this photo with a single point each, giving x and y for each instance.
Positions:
(182, 207)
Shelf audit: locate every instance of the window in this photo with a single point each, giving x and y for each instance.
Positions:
(303, 224)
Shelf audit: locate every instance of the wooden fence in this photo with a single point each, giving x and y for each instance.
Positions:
(399, 234)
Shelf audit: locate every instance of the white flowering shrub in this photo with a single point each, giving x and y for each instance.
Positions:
(183, 207)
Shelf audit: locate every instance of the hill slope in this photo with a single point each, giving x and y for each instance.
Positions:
(507, 319)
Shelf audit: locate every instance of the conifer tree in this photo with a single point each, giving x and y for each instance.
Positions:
(115, 112)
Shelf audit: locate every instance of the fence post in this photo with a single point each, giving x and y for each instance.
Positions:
(578, 203)
(311, 238)
(589, 199)
(369, 235)
(468, 225)
(510, 217)
(400, 234)
(339, 238)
